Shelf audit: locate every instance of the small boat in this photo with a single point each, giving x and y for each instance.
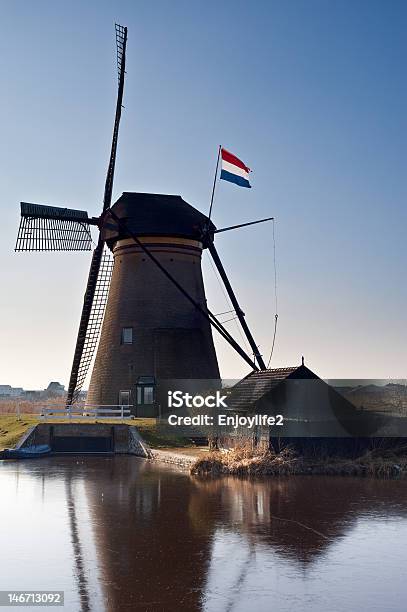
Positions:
(28, 452)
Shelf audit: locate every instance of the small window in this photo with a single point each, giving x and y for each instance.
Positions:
(124, 398)
(127, 335)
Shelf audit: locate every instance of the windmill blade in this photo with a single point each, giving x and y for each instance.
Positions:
(87, 338)
(49, 228)
(91, 321)
(121, 42)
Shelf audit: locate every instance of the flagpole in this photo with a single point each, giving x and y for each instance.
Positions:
(214, 182)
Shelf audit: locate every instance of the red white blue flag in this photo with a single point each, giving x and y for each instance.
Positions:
(234, 170)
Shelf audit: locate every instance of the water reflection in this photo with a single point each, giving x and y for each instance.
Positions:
(147, 537)
(152, 553)
(299, 517)
(83, 589)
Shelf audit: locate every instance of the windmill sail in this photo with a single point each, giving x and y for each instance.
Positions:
(82, 361)
(49, 228)
(86, 343)
(121, 41)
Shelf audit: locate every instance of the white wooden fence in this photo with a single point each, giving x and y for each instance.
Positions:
(106, 411)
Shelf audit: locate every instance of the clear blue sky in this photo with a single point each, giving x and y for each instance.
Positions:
(310, 94)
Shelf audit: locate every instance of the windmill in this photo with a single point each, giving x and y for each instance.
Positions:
(145, 311)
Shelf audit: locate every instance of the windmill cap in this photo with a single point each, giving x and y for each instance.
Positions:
(153, 214)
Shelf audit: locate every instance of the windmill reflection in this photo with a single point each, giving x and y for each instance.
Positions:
(151, 555)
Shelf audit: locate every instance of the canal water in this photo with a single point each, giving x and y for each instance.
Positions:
(121, 533)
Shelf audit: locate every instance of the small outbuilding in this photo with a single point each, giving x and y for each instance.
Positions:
(310, 414)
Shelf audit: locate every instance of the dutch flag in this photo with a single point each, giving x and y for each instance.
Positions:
(233, 169)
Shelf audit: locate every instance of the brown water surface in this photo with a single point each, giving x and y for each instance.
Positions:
(120, 533)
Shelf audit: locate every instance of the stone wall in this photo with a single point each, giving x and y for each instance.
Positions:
(182, 461)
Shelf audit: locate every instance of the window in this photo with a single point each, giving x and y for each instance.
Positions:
(145, 390)
(127, 335)
(148, 395)
(145, 394)
(124, 398)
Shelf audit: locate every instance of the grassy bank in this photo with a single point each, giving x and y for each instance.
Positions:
(12, 428)
(247, 462)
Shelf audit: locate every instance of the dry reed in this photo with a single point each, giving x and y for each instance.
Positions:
(246, 461)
